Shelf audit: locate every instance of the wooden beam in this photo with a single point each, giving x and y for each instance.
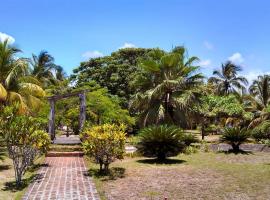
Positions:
(63, 96)
(52, 118)
(82, 110)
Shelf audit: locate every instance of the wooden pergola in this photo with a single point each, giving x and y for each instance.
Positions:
(52, 100)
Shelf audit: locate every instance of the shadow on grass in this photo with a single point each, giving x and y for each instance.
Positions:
(156, 161)
(113, 174)
(4, 167)
(231, 151)
(11, 185)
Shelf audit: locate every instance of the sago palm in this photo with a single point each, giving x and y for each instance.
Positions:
(15, 83)
(168, 86)
(227, 81)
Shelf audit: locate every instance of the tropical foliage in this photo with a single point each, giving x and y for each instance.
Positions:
(24, 137)
(16, 84)
(168, 86)
(227, 81)
(45, 70)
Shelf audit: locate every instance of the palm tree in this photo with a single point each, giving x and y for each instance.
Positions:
(260, 99)
(16, 85)
(227, 81)
(260, 90)
(45, 70)
(168, 87)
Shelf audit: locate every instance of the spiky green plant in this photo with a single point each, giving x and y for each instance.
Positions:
(235, 136)
(161, 141)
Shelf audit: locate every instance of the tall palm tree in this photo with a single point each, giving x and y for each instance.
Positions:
(260, 99)
(15, 83)
(168, 87)
(227, 81)
(45, 70)
(260, 90)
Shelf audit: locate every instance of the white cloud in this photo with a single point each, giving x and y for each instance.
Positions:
(236, 58)
(4, 36)
(208, 45)
(128, 45)
(204, 63)
(92, 54)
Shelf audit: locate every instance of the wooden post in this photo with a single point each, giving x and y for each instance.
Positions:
(51, 119)
(82, 110)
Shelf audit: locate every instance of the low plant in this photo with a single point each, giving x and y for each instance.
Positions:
(190, 150)
(235, 136)
(24, 139)
(105, 143)
(262, 131)
(189, 138)
(161, 141)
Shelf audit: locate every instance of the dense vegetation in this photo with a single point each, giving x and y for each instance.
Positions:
(139, 88)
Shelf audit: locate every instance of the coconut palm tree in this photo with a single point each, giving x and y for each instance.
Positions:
(16, 85)
(227, 81)
(168, 87)
(260, 90)
(45, 70)
(260, 99)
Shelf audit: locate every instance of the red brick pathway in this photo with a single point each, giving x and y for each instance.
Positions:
(62, 178)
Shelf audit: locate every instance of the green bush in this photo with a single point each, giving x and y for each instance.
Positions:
(235, 136)
(161, 141)
(24, 139)
(262, 131)
(105, 143)
(189, 138)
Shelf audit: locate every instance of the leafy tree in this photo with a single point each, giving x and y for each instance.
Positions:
(235, 136)
(105, 143)
(115, 72)
(103, 108)
(15, 83)
(24, 138)
(262, 131)
(227, 81)
(168, 87)
(212, 107)
(162, 141)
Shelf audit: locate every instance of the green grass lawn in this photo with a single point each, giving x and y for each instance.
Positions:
(196, 176)
(8, 191)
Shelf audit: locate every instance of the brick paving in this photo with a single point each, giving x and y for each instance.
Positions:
(62, 178)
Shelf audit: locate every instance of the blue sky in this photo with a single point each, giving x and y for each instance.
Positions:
(70, 30)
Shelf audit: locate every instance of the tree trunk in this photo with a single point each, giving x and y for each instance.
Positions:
(203, 131)
(67, 132)
(236, 147)
(100, 166)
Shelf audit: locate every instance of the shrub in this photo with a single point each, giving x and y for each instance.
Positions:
(235, 136)
(189, 138)
(262, 131)
(105, 143)
(23, 138)
(161, 141)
